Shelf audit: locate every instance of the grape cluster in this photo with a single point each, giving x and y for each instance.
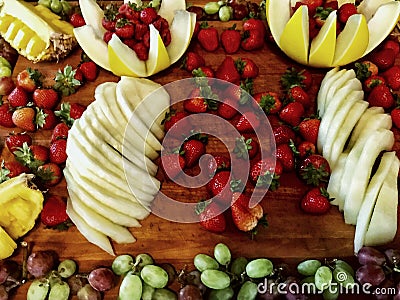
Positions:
(10, 276)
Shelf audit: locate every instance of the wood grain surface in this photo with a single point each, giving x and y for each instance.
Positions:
(290, 237)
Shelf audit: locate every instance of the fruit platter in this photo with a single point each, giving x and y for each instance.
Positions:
(202, 150)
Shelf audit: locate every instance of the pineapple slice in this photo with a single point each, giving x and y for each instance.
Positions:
(35, 32)
(7, 244)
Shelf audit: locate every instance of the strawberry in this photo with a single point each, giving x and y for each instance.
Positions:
(196, 103)
(29, 79)
(321, 13)
(16, 140)
(292, 113)
(128, 12)
(314, 169)
(308, 129)
(211, 217)
(76, 110)
(230, 40)
(15, 168)
(172, 118)
(311, 5)
(89, 70)
(31, 156)
(6, 114)
(331, 4)
(383, 59)
(77, 20)
(193, 61)
(346, 11)
(228, 108)
(395, 114)
(306, 148)
(66, 84)
(124, 29)
(285, 155)
(248, 122)
(365, 69)
(392, 44)
(293, 77)
(148, 15)
(316, 201)
(60, 131)
(253, 40)
(172, 164)
(247, 68)
(266, 172)
(381, 96)
(54, 211)
(269, 102)
(18, 97)
(220, 186)
(50, 119)
(246, 148)
(204, 71)
(298, 94)
(49, 174)
(216, 163)
(141, 51)
(193, 150)
(58, 153)
(373, 81)
(24, 118)
(244, 217)
(283, 134)
(69, 112)
(79, 75)
(254, 24)
(40, 152)
(45, 98)
(392, 77)
(208, 37)
(227, 71)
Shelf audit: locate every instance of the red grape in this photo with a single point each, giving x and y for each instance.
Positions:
(101, 279)
(372, 274)
(41, 262)
(368, 255)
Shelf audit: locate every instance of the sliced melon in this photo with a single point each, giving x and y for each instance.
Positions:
(169, 7)
(278, 14)
(93, 15)
(158, 55)
(369, 7)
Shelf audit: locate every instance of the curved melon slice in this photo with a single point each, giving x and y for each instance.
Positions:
(158, 55)
(295, 36)
(278, 14)
(93, 15)
(326, 83)
(168, 8)
(369, 7)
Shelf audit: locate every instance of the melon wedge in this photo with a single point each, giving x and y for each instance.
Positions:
(169, 7)
(369, 7)
(93, 14)
(278, 14)
(158, 55)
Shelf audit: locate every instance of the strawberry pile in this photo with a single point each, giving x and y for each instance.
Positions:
(130, 23)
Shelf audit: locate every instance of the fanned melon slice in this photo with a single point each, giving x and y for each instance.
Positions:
(169, 7)
(369, 7)
(93, 15)
(277, 21)
(158, 55)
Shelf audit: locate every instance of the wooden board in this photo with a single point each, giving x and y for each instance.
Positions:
(290, 237)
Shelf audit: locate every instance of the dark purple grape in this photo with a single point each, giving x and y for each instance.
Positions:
(41, 262)
(169, 268)
(368, 255)
(384, 286)
(88, 293)
(372, 274)
(292, 285)
(193, 277)
(102, 279)
(3, 293)
(268, 290)
(190, 292)
(76, 283)
(240, 11)
(199, 11)
(8, 268)
(393, 256)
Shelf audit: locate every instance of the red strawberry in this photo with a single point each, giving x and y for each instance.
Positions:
(76, 110)
(314, 169)
(311, 5)
(285, 155)
(253, 40)
(248, 122)
(89, 70)
(6, 114)
(193, 61)
(79, 75)
(231, 39)
(16, 140)
(128, 12)
(29, 79)
(316, 201)
(208, 37)
(124, 29)
(172, 117)
(305, 149)
(141, 51)
(395, 114)
(216, 163)
(244, 217)
(172, 164)
(58, 153)
(228, 108)
(193, 150)
(392, 44)
(298, 94)
(246, 148)
(365, 69)
(384, 59)
(266, 171)
(293, 77)
(195, 102)
(77, 20)
(40, 152)
(15, 168)
(60, 131)
(308, 129)
(148, 15)
(227, 71)
(54, 211)
(381, 96)
(24, 118)
(346, 11)
(18, 97)
(254, 24)
(49, 119)
(219, 186)
(392, 77)
(45, 98)
(247, 68)
(49, 174)
(269, 102)
(283, 134)
(210, 216)
(292, 113)
(373, 81)
(32, 156)
(204, 71)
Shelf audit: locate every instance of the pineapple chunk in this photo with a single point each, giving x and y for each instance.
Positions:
(7, 244)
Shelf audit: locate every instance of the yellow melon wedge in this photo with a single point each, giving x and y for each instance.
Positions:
(382, 24)
(295, 38)
(278, 14)
(352, 42)
(158, 55)
(123, 60)
(322, 48)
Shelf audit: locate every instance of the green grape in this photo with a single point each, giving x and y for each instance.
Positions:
(343, 277)
(143, 259)
(66, 7)
(222, 254)
(332, 293)
(130, 288)
(5, 71)
(308, 267)
(59, 291)
(224, 294)
(225, 13)
(259, 268)
(147, 292)
(154, 276)
(45, 3)
(122, 264)
(56, 6)
(248, 291)
(164, 294)
(5, 63)
(211, 8)
(38, 290)
(323, 278)
(215, 279)
(344, 265)
(205, 262)
(53, 278)
(66, 268)
(238, 266)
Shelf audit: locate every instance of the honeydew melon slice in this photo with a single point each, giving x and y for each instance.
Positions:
(369, 7)
(370, 198)
(295, 36)
(330, 77)
(348, 125)
(335, 178)
(92, 235)
(278, 14)
(93, 15)
(383, 225)
(352, 42)
(158, 55)
(322, 49)
(381, 140)
(168, 8)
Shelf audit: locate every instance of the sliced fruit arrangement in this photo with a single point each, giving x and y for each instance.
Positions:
(117, 129)
(365, 27)
(142, 42)
(35, 31)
